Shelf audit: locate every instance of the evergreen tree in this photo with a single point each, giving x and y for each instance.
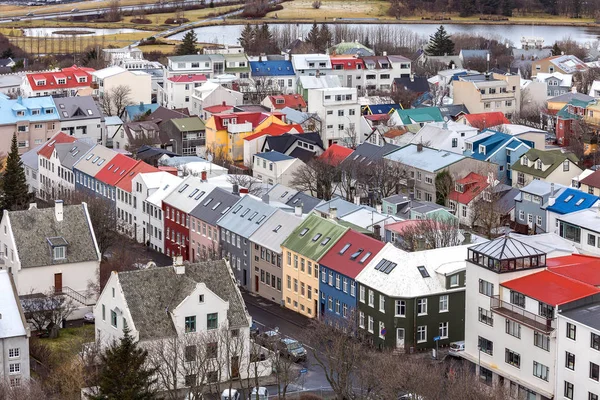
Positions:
(15, 191)
(124, 374)
(556, 51)
(506, 8)
(324, 38)
(466, 8)
(440, 43)
(188, 44)
(313, 37)
(247, 39)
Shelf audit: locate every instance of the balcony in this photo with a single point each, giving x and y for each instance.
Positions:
(515, 313)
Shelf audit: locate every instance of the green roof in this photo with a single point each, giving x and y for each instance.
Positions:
(310, 245)
(553, 158)
(237, 69)
(580, 103)
(188, 124)
(354, 227)
(418, 115)
(565, 114)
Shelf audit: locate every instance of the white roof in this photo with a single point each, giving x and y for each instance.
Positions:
(587, 219)
(514, 129)
(164, 185)
(595, 87)
(405, 280)
(365, 218)
(266, 236)
(565, 79)
(11, 323)
(550, 243)
(110, 71)
(188, 194)
(301, 61)
(139, 73)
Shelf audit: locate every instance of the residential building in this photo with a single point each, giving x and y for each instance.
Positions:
(339, 268)
(417, 85)
(119, 167)
(470, 55)
(339, 111)
(415, 116)
(531, 204)
(255, 143)
(311, 64)
(308, 122)
(281, 101)
(467, 191)
(572, 113)
(121, 55)
(202, 301)
(278, 75)
(406, 208)
(551, 166)
(556, 83)
(379, 73)
(237, 64)
(34, 120)
(136, 132)
(302, 250)
(484, 120)
(177, 91)
(591, 183)
(106, 80)
(449, 136)
(273, 167)
(50, 175)
(405, 306)
(581, 228)
(63, 83)
(307, 83)
(31, 167)
(14, 334)
(60, 255)
(10, 84)
(527, 134)
(489, 92)
(304, 147)
(87, 168)
(184, 136)
(208, 65)
(349, 69)
(565, 64)
(80, 117)
(204, 232)
(266, 253)
(212, 94)
(567, 201)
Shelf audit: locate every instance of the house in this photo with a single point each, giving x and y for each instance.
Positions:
(184, 136)
(463, 198)
(34, 120)
(379, 72)
(568, 117)
(177, 91)
(204, 232)
(266, 253)
(106, 80)
(565, 64)
(203, 302)
(10, 84)
(551, 166)
(531, 204)
(591, 183)
(14, 334)
(195, 64)
(415, 84)
(279, 102)
(255, 143)
(416, 116)
(292, 198)
(303, 250)
(483, 121)
(449, 136)
(339, 268)
(278, 75)
(119, 167)
(308, 122)
(237, 64)
(349, 68)
(527, 134)
(311, 64)
(212, 94)
(80, 117)
(274, 167)
(50, 176)
(447, 62)
(60, 255)
(556, 82)
(581, 228)
(339, 111)
(136, 132)
(380, 109)
(404, 207)
(488, 92)
(498, 148)
(405, 306)
(304, 147)
(87, 168)
(307, 83)
(31, 167)
(65, 82)
(568, 201)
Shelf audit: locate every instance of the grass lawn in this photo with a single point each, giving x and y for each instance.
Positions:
(303, 9)
(70, 339)
(163, 48)
(74, 44)
(13, 10)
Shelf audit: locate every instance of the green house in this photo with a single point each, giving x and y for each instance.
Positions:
(408, 300)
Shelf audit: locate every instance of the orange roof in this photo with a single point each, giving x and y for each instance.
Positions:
(335, 154)
(486, 120)
(392, 133)
(275, 130)
(218, 108)
(61, 137)
(116, 169)
(69, 74)
(577, 266)
(141, 167)
(281, 101)
(473, 184)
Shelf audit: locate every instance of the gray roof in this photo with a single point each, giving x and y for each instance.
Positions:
(540, 187)
(102, 157)
(281, 193)
(70, 153)
(588, 315)
(266, 236)
(297, 117)
(506, 202)
(76, 108)
(190, 58)
(567, 97)
(240, 220)
(506, 248)
(33, 245)
(168, 289)
(308, 202)
(30, 158)
(208, 213)
(397, 199)
(366, 152)
(343, 207)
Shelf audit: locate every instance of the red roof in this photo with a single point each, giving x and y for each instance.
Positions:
(592, 179)
(551, 288)
(47, 150)
(343, 263)
(473, 184)
(577, 266)
(218, 108)
(335, 154)
(116, 169)
(346, 62)
(71, 76)
(188, 78)
(486, 120)
(377, 117)
(400, 226)
(281, 101)
(141, 167)
(275, 130)
(255, 118)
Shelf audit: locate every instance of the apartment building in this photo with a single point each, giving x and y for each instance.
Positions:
(350, 70)
(379, 73)
(339, 112)
(106, 80)
(80, 117)
(208, 65)
(565, 64)
(64, 83)
(278, 75)
(311, 64)
(489, 92)
(177, 90)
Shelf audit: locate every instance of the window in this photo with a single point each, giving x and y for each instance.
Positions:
(381, 303)
(362, 294)
(568, 390)
(486, 288)
(113, 318)
(541, 341)
(14, 368)
(571, 331)
(487, 346)
(512, 358)
(444, 303)
(513, 328)
(454, 142)
(566, 165)
(485, 376)
(595, 341)
(190, 353)
(400, 308)
(103, 312)
(370, 327)
(443, 333)
(545, 310)
(517, 298)
(59, 252)
(486, 316)
(190, 324)
(594, 371)
(454, 280)
(570, 360)
(14, 353)
(540, 370)
(421, 334)
(361, 319)
(371, 298)
(591, 240)
(422, 307)
(352, 286)
(212, 321)
(592, 396)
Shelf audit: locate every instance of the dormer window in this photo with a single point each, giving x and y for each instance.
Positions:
(279, 101)
(58, 246)
(524, 160)
(538, 164)
(60, 253)
(482, 149)
(460, 188)
(41, 83)
(82, 79)
(61, 81)
(20, 113)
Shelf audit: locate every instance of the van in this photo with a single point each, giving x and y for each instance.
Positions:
(456, 348)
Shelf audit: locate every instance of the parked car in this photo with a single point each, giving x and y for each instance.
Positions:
(411, 396)
(262, 392)
(15, 19)
(230, 394)
(292, 349)
(456, 348)
(89, 318)
(268, 338)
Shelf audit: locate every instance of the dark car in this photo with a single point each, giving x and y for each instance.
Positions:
(292, 349)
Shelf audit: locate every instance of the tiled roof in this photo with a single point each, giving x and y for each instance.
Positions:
(70, 74)
(473, 185)
(486, 120)
(48, 148)
(314, 237)
(352, 252)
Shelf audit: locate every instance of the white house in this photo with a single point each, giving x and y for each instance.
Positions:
(60, 255)
(449, 136)
(14, 334)
(582, 228)
(274, 167)
(339, 111)
(205, 64)
(157, 185)
(139, 82)
(80, 117)
(177, 91)
(31, 167)
(550, 166)
(311, 64)
(199, 304)
(212, 94)
(50, 174)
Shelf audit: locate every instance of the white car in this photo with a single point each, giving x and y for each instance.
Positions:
(262, 392)
(89, 318)
(230, 394)
(456, 348)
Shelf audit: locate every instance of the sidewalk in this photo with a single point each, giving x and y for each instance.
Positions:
(275, 309)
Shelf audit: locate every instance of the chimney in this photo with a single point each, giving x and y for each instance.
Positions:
(378, 208)
(224, 104)
(357, 200)
(377, 231)
(298, 210)
(385, 53)
(573, 89)
(467, 236)
(236, 189)
(333, 213)
(32, 206)
(178, 265)
(58, 210)
(203, 175)
(419, 147)
(265, 198)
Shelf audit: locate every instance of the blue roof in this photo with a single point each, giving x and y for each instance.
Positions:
(272, 68)
(138, 109)
(492, 143)
(382, 108)
(274, 156)
(44, 106)
(571, 200)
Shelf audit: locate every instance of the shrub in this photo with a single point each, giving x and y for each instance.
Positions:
(316, 4)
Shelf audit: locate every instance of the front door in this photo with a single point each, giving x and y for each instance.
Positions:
(58, 283)
(400, 338)
(256, 283)
(235, 366)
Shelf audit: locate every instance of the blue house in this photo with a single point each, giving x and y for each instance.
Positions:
(531, 204)
(339, 268)
(498, 148)
(275, 73)
(566, 202)
(88, 167)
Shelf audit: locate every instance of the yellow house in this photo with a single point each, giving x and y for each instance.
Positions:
(302, 250)
(225, 132)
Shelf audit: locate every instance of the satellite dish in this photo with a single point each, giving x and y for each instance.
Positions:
(210, 157)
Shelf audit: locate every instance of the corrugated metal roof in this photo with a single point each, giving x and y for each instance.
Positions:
(275, 230)
(314, 237)
(246, 216)
(211, 212)
(427, 159)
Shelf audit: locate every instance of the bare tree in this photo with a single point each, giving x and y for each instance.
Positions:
(141, 139)
(430, 234)
(486, 211)
(43, 309)
(317, 178)
(114, 101)
(585, 79)
(252, 184)
(384, 177)
(444, 184)
(114, 11)
(26, 390)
